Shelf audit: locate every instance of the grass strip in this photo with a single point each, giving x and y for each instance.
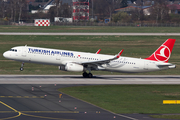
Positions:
(91, 29)
(144, 99)
(177, 117)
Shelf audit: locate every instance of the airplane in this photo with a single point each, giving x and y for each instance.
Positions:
(82, 61)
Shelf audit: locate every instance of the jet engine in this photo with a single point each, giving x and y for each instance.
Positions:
(74, 67)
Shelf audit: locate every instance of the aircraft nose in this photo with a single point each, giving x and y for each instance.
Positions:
(5, 54)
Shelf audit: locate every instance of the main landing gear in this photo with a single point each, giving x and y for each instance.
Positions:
(22, 65)
(87, 75)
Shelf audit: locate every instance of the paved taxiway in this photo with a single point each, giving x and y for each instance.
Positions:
(128, 34)
(43, 102)
(98, 79)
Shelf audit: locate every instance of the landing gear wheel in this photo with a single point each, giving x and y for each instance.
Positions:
(90, 75)
(85, 75)
(22, 65)
(21, 68)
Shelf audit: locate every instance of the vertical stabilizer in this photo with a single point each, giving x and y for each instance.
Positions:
(163, 53)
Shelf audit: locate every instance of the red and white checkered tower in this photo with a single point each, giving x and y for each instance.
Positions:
(80, 10)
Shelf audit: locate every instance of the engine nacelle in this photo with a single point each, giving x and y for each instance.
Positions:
(74, 67)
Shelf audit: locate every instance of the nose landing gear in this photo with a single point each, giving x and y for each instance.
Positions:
(22, 65)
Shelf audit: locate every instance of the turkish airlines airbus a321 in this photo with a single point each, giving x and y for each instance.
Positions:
(82, 61)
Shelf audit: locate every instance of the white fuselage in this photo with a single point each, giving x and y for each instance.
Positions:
(62, 57)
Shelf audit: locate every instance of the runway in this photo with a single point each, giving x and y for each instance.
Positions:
(68, 34)
(97, 79)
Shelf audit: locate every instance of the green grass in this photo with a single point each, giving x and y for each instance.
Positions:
(144, 99)
(134, 46)
(177, 117)
(93, 29)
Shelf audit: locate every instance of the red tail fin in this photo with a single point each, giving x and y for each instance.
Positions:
(163, 53)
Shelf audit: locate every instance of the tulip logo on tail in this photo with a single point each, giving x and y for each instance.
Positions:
(162, 54)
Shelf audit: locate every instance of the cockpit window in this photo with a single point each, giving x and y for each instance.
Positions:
(14, 50)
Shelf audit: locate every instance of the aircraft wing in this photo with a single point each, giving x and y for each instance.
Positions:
(100, 62)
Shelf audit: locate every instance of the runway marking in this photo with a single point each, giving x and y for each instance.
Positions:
(21, 96)
(41, 111)
(11, 109)
(50, 111)
(45, 117)
(21, 113)
(6, 111)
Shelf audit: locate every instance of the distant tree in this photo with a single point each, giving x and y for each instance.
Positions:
(21, 4)
(105, 8)
(172, 0)
(57, 7)
(15, 4)
(2, 8)
(38, 0)
(122, 17)
(175, 18)
(133, 1)
(52, 13)
(159, 11)
(64, 10)
(100, 7)
(111, 6)
(137, 13)
(32, 7)
(13, 10)
(12, 7)
(82, 0)
(124, 3)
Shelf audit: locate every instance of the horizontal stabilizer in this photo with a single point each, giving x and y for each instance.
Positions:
(169, 65)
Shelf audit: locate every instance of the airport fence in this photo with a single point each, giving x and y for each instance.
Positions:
(117, 24)
(97, 24)
(5, 23)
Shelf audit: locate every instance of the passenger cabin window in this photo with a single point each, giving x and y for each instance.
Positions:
(14, 50)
